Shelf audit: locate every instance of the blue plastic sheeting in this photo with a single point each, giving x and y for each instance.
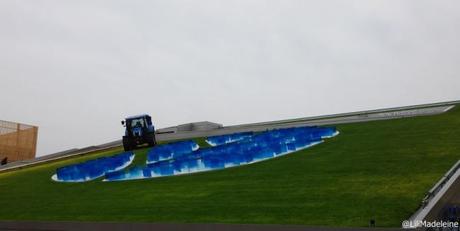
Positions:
(226, 139)
(93, 169)
(255, 148)
(168, 151)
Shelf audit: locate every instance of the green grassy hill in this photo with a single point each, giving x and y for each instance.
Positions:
(375, 170)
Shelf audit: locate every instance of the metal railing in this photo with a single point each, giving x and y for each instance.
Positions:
(438, 186)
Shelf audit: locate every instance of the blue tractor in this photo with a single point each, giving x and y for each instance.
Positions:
(139, 131)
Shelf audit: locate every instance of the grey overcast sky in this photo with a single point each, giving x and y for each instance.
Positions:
(76, 68)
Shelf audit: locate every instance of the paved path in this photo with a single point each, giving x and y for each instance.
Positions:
(80, 226)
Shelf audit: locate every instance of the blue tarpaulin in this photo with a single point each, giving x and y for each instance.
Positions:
(93, 169)
(227, 151)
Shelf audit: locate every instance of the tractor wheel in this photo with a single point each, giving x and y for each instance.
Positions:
(126, 148)
(127, 145)
(152, 141)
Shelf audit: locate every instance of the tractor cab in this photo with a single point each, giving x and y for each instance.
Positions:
(139, 130)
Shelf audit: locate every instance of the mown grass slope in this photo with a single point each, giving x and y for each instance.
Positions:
(376, 170)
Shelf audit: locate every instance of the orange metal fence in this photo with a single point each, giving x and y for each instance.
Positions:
(17, 141)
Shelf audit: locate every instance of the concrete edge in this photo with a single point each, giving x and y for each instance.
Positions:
(394, 109)
(69, 155)
(229, 129)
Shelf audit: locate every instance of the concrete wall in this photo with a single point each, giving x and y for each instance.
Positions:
(196, 126)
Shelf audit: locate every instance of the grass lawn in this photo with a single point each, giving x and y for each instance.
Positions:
(375, 170)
